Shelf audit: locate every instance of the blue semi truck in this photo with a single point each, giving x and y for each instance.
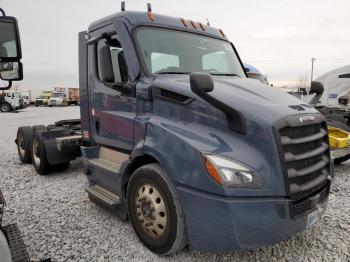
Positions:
(176, 138)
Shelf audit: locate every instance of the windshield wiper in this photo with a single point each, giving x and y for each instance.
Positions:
(173, 72)
(218, 74)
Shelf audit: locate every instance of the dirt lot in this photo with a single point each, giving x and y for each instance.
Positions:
(57, 220)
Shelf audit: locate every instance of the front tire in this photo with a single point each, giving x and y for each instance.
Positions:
(154, 210)
(38, 155)
(24, 135)
(5, 108)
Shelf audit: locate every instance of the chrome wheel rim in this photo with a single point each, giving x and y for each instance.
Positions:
(21, 148)
(151, 211)
(36, 153)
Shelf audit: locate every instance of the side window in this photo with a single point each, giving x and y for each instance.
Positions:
(164, 62)
(216, 61)
(115, 52)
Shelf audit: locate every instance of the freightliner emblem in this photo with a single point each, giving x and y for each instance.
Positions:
(306, 119)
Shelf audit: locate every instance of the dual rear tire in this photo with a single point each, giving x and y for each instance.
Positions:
(31, 149)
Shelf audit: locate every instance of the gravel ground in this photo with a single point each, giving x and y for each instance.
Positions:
(58, 221)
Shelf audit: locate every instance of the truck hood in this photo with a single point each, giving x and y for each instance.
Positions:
(248, 96)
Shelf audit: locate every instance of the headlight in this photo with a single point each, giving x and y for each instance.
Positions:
(230, 173)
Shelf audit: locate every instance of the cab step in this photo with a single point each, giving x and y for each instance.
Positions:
(16, 244)
(103, 195)
(105, 164)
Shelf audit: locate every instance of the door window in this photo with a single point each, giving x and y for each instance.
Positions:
(116, 53)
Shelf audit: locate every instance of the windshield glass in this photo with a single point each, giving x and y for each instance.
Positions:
(42, 97)
(167, 51)
(57, 95)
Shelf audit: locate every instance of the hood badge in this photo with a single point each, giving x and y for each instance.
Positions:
(306, 119)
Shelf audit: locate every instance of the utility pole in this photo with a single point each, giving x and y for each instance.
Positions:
(312, 67)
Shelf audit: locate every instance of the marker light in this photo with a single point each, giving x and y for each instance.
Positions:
(193, 24)
(222, 32)
(184, 22)
(230, 173)
(151, 16)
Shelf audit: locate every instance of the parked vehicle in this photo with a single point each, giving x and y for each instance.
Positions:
(10, 100)
(161, 143)
(63, 96)
(43, 99)
(26, 100)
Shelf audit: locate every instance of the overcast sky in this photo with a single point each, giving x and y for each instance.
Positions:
(279, 37)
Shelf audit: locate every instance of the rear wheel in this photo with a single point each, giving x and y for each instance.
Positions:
(5, 107)
(38, 155)
(24, 135)
(154, 210)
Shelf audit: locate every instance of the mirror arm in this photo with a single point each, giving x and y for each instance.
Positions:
(6, 87)
(236, 120)
(3, 12)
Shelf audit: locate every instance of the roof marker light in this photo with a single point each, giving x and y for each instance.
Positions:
(222, 33)
(151, 16)
(184, 22)
(193, 24)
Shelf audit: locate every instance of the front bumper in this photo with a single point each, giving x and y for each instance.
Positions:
(338, 153)
(221, 224)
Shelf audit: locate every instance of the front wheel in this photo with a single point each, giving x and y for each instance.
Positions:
(154, 210)
(5, 108)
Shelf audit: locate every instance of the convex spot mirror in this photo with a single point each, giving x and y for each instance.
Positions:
(10, 44)
(11, 71)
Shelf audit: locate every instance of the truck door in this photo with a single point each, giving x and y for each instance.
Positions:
(113, 109)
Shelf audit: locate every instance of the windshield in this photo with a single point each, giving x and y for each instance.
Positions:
(167, 51)
(57, 95)
(42, 97)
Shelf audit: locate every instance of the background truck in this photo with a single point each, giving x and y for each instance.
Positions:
(64, 96)
(171, 126)
(10, 100)
(43, 99)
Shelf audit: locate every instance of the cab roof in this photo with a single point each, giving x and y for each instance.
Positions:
(136, 18)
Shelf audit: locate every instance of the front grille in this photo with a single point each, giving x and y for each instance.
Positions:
(305, 154)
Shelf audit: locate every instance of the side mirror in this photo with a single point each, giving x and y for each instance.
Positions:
(106, 73)
(11, 71)
(316, 88)
(10, 44)
(201, 82)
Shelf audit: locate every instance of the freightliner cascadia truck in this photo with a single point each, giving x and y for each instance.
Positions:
(175, 138)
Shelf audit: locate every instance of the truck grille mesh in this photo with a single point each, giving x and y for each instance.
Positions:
(306, 158)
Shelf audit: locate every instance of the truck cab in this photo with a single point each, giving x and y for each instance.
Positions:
(43, 99)
(10, 101)
(176, 138)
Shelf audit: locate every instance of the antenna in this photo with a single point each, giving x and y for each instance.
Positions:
(123, 6)
(208, 24)
(149, 7)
